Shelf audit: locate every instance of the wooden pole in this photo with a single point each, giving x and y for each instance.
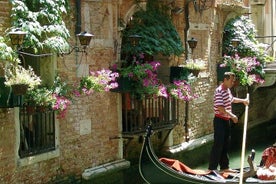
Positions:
(244, 141)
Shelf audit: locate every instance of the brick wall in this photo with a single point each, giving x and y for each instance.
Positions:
(79, 147)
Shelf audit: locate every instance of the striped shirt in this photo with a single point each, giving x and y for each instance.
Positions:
(223, 97)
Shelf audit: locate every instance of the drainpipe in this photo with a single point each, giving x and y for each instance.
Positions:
(186, 14)
(78, 17)
(272, 5)
(187, 26)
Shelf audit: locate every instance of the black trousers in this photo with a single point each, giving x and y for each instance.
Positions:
(219, 153)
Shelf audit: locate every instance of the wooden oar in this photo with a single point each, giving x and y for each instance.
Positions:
(244, 140)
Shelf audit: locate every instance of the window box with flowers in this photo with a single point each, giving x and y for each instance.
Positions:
(40, 98)
(97, 81)
(57, 98)
(183, 72)
(195, 66)
(141, 78)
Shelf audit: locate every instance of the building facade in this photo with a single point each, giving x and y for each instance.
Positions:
(91, 133)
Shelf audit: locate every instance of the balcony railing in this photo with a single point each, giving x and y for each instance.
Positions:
(162, 113)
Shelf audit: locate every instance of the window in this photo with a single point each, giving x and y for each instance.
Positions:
(37, 131)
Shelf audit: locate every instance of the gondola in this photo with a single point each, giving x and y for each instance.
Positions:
(152, 170)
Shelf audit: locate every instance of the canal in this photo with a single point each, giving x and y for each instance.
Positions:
(258, 138)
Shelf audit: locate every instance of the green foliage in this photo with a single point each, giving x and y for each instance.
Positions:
(19, 75)
(42, 20)
(244, 30)
(158, 34)
(248, 70)
(6, 52)
(61, 88)
(41, 96)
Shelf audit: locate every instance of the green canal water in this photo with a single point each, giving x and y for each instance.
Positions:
(258, 138)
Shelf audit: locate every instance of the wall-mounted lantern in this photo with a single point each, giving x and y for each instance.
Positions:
(235, 42)
(134, 39)
(84, 39)
(192, 43)
(17, 37)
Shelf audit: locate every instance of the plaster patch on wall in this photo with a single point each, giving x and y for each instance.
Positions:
(85, 127)
(83, 70)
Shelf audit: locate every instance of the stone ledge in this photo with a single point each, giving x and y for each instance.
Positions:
(105, 168)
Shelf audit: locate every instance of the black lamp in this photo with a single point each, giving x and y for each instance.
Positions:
(192, 43)
(134, 39)
(235, 42)
(85, 38)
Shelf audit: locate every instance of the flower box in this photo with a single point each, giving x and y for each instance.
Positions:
(19, 89)
(124, 85)
(178, 73)
(7, 97)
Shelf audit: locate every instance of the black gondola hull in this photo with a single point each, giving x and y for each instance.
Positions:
(153, 171)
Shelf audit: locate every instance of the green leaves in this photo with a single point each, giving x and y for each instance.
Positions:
(6, 52)
(244, 30)
(158, 34)
(42, 19)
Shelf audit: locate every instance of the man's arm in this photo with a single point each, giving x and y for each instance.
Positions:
(245, 101)
(224, 111)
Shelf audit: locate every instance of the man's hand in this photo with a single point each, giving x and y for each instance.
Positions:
(234, 118)
(246, 102)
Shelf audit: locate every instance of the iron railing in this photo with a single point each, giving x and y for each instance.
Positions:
(37, 131)
(162, 113)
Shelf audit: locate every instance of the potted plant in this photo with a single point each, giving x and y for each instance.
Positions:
(248, 70)
(101, 80)
(21, 79)
(195, 66)
(142, 77)
(40, 97)
(62, 94)
(181, 90)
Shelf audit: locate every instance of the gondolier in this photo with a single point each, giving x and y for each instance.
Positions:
(223, 114)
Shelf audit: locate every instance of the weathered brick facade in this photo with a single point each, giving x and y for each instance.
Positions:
(88, 136)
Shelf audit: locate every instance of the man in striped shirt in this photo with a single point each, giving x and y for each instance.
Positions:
(223, 114)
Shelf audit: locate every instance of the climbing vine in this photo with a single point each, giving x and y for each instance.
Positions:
(243, 29)
(156, 29)
(43, 21)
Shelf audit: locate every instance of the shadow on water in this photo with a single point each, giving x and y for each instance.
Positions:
(258, 138)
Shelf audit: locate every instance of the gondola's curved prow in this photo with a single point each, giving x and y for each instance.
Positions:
(154, 171)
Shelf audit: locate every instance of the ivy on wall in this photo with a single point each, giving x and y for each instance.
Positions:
(43, 21)
(243, 29)
(158, 34)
